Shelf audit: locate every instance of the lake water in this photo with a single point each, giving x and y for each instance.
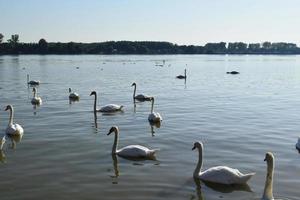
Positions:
(65, 154)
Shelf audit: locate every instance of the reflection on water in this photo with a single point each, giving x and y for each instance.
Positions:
(241, 117)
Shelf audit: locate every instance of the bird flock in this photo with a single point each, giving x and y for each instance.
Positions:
(218, 174)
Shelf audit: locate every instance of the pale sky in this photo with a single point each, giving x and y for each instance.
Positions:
(177, 21)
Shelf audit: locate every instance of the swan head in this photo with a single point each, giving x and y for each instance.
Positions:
(70, 90)
(151, 98)
(269, 157)
(133, 84)
(34, 89)
(113, 129)
(8, 107)
(198, 145)
(93, 93)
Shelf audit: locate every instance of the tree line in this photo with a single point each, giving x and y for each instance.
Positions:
(14, 46)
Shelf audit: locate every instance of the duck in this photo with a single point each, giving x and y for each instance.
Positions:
(107, 108)
(182, 76)
(73, 95)
(140, 97)
(268, 190)
(233, 72)
(32, 82)
(131, 151)
(154, 116)
(36, 100)
(13, 128)
(298, 144)
(219, 174)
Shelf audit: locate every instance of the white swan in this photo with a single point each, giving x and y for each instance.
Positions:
(298, 144)
(181, 76)
(106, 108)
(2, 142)
(32, 82)
(268, 190)
(36, 100)
(140, 97)
(131, 151)
(13, 128)
(73, 95)
(154, 116)
(219, 174)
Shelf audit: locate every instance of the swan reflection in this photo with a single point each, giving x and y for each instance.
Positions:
(116, 169)
(152, 125)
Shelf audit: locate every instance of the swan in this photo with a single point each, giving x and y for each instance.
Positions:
(32, 82)
(36, 100)
(219, 174)
(106, 108)
(140, 97)
(268, 190)
(73, 95)
(181, 76)
(233, 72)
(13, 128)
(298, 144)
(131, 151)
(154, 116)
(2, 142)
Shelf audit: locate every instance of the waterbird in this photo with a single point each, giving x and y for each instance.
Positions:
(140, 97)
(154, 116)
(131, 151)
(219, 174)
(32, 82)
(233, 72)
(36, 100)
(13, 128)
(268, 190)
(182, 76)
(73, 95)
(107, 108)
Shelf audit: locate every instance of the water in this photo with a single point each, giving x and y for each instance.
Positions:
(65, 155)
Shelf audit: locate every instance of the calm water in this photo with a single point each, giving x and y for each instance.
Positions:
(64, 154)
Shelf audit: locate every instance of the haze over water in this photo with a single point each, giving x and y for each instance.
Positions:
(62, 154)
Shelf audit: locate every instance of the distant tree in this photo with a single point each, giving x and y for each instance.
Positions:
(267, 45)
(43, 45)
(14, 39)
(1, 37)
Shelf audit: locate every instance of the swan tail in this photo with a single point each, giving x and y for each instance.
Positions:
(247, 177)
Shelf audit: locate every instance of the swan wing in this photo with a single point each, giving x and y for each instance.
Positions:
(74, 95)
(154, 117)
(14, 129)
(111, 108)
(142, 97)
(224, 175)
(137, 151)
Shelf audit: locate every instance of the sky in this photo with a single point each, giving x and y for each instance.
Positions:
(191, 22)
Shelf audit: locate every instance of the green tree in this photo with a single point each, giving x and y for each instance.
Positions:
(1, 37)
(14, 39)
(43, 45)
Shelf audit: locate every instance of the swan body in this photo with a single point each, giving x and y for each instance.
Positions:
(13, 128)
(32, 82)
(36, 100)
(268, 190)
(182, 76)
(154, 116)
(219, 174)
(73, 95)
(140, 97)
(107, 108)
(131, 151)
(298, 144)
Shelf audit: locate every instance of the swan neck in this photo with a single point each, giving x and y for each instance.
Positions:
(34, 93)
(152, 105)
(199, 164)
(134, 91)
(115, 145)
(268, 191)
(11, 116)
(95, 101)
